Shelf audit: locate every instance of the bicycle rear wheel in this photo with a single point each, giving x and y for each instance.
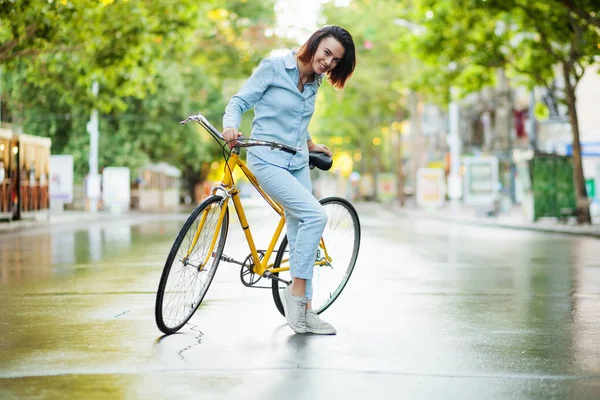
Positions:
(335, 260)
(189, 270)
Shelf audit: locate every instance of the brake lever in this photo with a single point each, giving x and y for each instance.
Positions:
(187, 120)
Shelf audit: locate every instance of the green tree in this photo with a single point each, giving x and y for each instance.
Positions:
(587, 11)
(356, 118)
(157, 62)
(65, 45)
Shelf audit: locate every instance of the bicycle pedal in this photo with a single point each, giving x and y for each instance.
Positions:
(269, 275)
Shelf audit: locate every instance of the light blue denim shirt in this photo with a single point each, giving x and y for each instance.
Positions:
(281, 112)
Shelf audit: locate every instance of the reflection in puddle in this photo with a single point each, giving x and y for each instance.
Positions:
(28, 256)
(23, 257)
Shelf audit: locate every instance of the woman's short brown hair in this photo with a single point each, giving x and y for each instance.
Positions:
(343, 70)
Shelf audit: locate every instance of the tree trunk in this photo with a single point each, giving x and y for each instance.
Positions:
(375, 168)
(415, 137)
(399, 170)
(583, 208)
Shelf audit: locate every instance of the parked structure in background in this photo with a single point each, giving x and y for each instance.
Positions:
(24, 175)
(116, 189)
(61, 181)
(157, 187)
(488, 128)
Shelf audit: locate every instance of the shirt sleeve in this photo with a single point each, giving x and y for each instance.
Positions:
(249, 94)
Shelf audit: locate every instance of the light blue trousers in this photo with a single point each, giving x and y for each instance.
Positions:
(304, 216)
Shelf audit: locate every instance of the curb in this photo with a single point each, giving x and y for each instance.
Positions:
(585, 230)
(74, 217)
(78, 218)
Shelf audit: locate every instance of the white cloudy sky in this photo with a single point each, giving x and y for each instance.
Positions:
(299, 18)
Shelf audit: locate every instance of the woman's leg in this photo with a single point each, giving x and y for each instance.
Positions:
(306, 220)
(300, 287)
(304, 285)
(305, 217)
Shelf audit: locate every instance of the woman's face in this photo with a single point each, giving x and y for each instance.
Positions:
(328, 55)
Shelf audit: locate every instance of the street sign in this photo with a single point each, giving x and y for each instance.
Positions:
(386, 187)
(116, 189)
(61, 178)
(431, 190)
(481, 180)
(587, 149)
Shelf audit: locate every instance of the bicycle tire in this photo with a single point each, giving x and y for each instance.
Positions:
(186, 303)
(321, 306)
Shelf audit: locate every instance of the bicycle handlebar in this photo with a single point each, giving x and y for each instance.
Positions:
(199, 118)
(272, 145)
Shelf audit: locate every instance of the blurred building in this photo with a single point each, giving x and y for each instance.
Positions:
(500, 122)
(156, 187)
(24, 175)
(554, 134)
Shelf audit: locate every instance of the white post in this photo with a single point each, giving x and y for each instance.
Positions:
(532, 121)
(93, 181)
(454, 179)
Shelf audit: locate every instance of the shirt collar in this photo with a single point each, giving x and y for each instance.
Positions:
(290, 63)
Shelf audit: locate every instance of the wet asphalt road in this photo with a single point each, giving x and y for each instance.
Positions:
(434, 310)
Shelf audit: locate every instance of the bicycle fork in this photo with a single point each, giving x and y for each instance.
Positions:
(209, 253)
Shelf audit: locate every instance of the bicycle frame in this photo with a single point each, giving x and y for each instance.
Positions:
(227, 185)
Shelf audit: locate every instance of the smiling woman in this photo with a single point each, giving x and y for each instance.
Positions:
(282, 91)
(325, 53)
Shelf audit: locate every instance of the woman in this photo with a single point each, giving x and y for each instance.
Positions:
(282, 91)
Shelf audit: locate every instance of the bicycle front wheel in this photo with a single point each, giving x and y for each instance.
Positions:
(336, 255)
(191, 265)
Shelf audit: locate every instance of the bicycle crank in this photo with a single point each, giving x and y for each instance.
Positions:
(247, 275)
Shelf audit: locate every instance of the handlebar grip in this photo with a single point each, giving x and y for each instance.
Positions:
(288, 149)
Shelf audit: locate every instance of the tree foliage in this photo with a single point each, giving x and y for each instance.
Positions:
(373, 98)
(156, 62)
(588, 11)
(65, 45)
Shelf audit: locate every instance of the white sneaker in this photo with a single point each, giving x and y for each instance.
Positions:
(294, 309)
(314, 324)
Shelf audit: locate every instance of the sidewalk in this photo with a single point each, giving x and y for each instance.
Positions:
(74, 217)
(78, 217)
(514, 219)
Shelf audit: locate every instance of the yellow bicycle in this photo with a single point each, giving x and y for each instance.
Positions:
(198, 248)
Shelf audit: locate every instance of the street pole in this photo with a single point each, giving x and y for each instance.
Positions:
(454, 179)
(397, 144)
(532, 121)
(93, 181)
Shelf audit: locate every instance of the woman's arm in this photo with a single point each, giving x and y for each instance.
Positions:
(249, 94)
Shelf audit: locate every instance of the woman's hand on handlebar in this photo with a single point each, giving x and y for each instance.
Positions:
(230, 135)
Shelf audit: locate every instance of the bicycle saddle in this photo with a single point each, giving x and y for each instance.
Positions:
(320, 160)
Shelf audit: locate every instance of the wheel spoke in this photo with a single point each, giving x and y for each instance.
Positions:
(342, 240)
(184, 284)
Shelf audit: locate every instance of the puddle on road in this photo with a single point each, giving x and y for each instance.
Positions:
(59, 251)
